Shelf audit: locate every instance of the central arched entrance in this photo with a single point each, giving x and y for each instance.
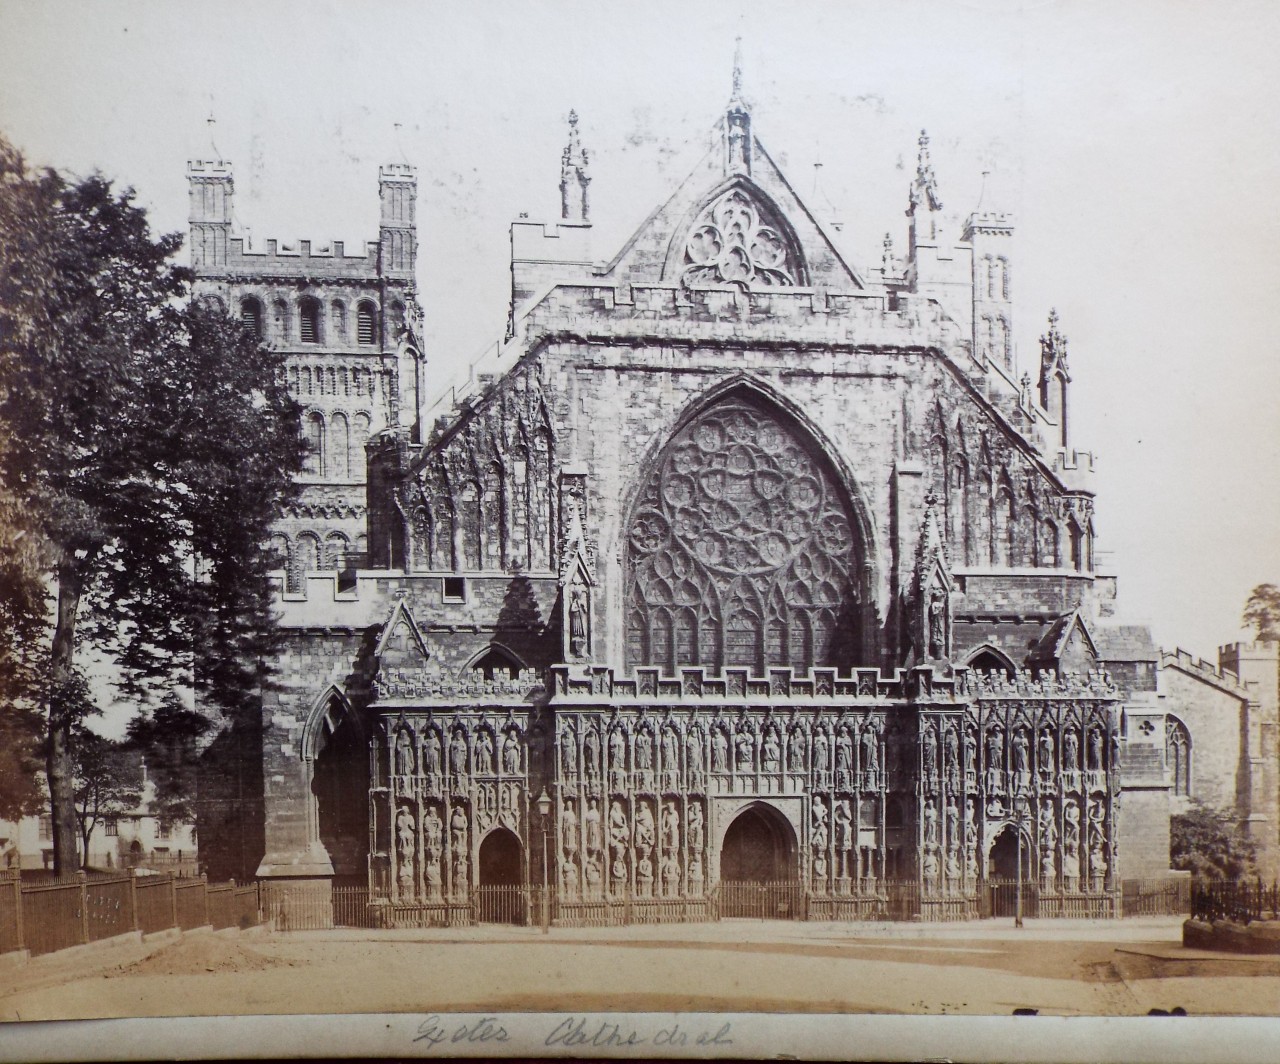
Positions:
(500, 878)
(1002, 872)
(758, 873)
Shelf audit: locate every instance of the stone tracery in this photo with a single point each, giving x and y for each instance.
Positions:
(735, 242)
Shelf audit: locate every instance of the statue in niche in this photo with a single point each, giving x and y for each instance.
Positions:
(431, 753)
(929, 866)
(458, 754)
(695, 828)
(645, 827)
(795, 751)
(1048, 826)
(670, 827)
(1021, 754)
(841, 820)
(670, 874)
(937, 623)
(1048, 865)
(971, 840)
(930, 753)
(1095, 749)
(577, 619)
(644, 871)
(951, 745)
(591, 870)
(569, 828)
(618, 833)
(820, 864)
(432, 875)
(970, 758)
(511, 754)
(953, 821)
(617, 750)
(930, 823)
(819, 819)
(772, 752)
(995, 760)
(670, 752)
(432, 833)
(568, 753)
(870, 752)
(591, 753)
(592, 836)
(484, 752)
(844, 757)
(459, 872)
(746, 749)
(569, 875)
(1070, 751)
(1044, 753)
(695, 867)
(953, 862)
(719, 751)
(458, 831)
(693, 754)
(404, 753)
(820, 748)
(405, 831)
(644, 750)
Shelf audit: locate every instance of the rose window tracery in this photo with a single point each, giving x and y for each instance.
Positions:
(741, 549)
(733, 243)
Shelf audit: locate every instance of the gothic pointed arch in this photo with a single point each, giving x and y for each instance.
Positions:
(736, 235)
(743, 538)
(328, 713)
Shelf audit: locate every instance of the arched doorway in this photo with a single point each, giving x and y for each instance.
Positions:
(1002, 873)
(758, 872)
(340, 785)
(500, 878)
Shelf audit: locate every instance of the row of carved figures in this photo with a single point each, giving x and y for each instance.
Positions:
(484, 752)
(660, 854)
(436, 860)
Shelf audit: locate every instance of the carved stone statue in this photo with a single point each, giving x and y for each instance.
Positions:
(746, 750)
(591, 754)
(644, 750)
(577, 619)
(930, 752)
(1048, 826)
(929, 866)
(458, 831)
(930, 823)
(844, 756)
(592, 836)
(1095, 749)
(568, 753)
(719, 750)
(937, 623)
(995, 757)
(841, 820)
(970, 757)
(569, 828)
(693, 754)
(953, 821)
(1021, 752)
(1044, 752)
(670, 751)
(458, 754)
(1071, 751)
(670, 827)
(432, 833)
(795, 751)
(511, 754)
(695, 828)
(870, 750)
(617, 749)
(618, 833)
(405, 826)
(404, 753)
(484, 751)
(771, 752)
(431, 753)
(645, 828)
(819, 821)
(821, 747)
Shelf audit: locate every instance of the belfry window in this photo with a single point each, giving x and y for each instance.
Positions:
(309, 323)
(251, 316)
(741, 550)
(366, 331)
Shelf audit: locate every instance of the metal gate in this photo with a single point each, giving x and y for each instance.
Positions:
(776, 900)
(502, 904)
(1003, 898)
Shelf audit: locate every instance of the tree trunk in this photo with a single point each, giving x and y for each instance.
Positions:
(59, 764)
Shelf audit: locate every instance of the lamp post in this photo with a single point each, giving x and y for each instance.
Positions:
(543, 803)
(1017, 918)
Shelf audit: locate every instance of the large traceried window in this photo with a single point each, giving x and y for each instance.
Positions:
(741, 548)
(1178, 756)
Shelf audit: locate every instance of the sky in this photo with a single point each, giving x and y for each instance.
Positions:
(1134, 143)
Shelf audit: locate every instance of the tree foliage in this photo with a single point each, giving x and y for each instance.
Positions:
(1262, 611)
(108, 781)
(1205, 843)
(168, 739)
(149, 442)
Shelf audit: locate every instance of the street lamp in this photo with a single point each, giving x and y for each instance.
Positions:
(1020, 808)
(543, 803)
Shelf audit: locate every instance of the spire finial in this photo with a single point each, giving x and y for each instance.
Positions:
(737, 68)
(574, 178)
(212, 123)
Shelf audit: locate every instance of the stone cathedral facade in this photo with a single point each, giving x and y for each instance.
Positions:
(753, 564)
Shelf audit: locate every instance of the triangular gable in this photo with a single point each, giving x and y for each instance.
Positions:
(656, 252)
(1064, 640)
(400, 644)
(575, 556)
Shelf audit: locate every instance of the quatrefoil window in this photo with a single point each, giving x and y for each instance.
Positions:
(733, 242)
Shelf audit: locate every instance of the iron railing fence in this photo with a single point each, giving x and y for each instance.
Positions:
(1241, 900)
(1167, 896)
(45, 914)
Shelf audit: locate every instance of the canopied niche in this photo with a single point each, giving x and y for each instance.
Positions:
(742, 548)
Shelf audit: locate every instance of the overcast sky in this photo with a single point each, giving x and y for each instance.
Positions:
(1136, 144)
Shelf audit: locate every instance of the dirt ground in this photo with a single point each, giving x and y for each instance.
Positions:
(1100, 968)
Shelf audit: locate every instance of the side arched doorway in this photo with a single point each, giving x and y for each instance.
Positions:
(500, 879)
(340, 786)
(1002, 873)
(759, 876)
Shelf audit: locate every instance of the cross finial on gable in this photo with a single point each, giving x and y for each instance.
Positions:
(737, 70)
(574, 177)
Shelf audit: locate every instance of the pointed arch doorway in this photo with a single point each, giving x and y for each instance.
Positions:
(758, 866)
(1002, 870)
(500, 879)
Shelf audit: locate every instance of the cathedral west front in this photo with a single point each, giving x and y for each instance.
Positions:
(736, 564)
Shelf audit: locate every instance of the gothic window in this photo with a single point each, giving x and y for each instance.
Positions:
(336, 546)
(741, 548)
(735, 241)
(988, 660)
(281, 557)
(314, 462)
(309, 320)
(982, 504)
(1050, 544)
(251, 317)
(992, 274)
(366, 323)
(395, 318)
(1178, 756)
(1076, 545)
(1004, 277)
(495, 664)
(307, 557)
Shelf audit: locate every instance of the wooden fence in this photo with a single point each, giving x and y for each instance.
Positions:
(52, 914)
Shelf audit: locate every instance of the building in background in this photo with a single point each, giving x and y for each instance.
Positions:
(747, 563)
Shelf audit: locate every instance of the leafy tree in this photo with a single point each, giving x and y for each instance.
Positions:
(168, 738)
(1262, 611)
(108, 780)
(1203, 842)
(149, 444)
